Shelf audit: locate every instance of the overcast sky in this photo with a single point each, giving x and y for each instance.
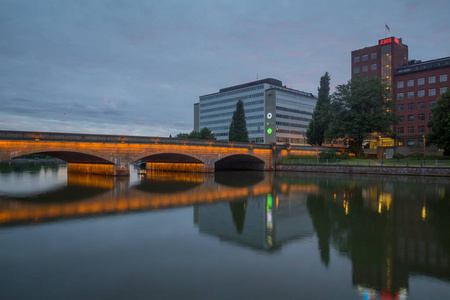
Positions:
(137, 67)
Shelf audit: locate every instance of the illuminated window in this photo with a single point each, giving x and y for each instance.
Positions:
(410, 118)
(401, 130)
(410, 95)
(432, 104)
(410, 106)
(431, 92)
(421, 105)
(410, 130)
(410, 82)
(373, 67)
(421, 93)
(400, 96)
(365, 57)
(401, 107)
(356, 70)
(356, 59)
(421, 81)
(421, 129)
(442, 90)
(365, 68)
(432, 79)
(421, 117)
(400, 84)
(373, 55)
(443, 78)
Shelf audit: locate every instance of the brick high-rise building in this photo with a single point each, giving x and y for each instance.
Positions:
(415, 87)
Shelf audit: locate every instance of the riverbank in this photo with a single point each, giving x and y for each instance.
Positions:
(378, 170)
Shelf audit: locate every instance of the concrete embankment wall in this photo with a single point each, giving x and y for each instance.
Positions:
(413, 171)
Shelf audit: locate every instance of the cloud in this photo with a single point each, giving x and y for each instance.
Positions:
(138, 67)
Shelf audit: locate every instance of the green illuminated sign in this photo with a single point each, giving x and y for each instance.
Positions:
(269, 131)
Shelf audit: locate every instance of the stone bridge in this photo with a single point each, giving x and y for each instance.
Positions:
(111, 154)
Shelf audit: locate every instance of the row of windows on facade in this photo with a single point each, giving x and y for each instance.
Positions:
(411, 106)
(258, 87)
(373, 67)
(365, 57)
(421, 93)
(421, 81)
(411, 118)
(411, 129)
(232, 106)
(230, 100)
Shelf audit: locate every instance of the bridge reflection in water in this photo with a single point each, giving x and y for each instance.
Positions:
(388, 228)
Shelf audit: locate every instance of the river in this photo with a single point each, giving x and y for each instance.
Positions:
(229, 235)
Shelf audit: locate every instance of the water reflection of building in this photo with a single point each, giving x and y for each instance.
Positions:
(390, 228)
(264, 223)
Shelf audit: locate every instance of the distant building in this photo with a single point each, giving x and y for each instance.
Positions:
(274, 113)
(415, 87)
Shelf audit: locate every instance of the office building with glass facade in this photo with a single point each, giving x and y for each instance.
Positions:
(274, 113)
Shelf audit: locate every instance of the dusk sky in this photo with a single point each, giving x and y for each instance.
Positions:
(134, 67)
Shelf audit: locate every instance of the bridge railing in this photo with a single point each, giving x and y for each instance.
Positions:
(99, 138)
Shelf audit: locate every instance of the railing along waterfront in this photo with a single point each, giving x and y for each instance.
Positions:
(434, 163)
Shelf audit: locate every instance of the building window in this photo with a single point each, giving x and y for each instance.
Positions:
(356, 59)
(373, 55)
(410, 118)
(401, 119)
(410, 95)
(421, 105)
(400, 107)
(421, 93)
(400, 84)
(373, 67)
(432, 92)
(443, 78)
(411, 143)
(432, 79)
(432, 104)
(401, 130)
(356, 70)
(410, 82)
(400, 96)
(442, 90)
(430, 116)
(421, 129)
(421, 81)
(421, 117)
(365, 57)
(411, 129)
(410, 106)
(365, 68)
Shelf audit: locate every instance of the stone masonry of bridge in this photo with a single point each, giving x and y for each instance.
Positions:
(111, 154)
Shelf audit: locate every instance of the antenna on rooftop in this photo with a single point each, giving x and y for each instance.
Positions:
(256, 76)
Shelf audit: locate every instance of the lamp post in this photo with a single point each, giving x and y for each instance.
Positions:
(424, 148)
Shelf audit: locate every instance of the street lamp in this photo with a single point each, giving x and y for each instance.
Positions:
(424, 147)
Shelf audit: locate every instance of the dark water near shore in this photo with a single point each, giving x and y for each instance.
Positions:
(227, 235)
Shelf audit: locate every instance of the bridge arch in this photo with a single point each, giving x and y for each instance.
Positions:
(67, 156)
(170, 158)
(239, 162)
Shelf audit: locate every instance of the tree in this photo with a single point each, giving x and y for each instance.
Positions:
(440, 123)
(360, 108)
(204, 134)
(238, 127)
(320, 118)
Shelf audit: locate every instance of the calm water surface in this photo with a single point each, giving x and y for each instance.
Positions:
(222, 236)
